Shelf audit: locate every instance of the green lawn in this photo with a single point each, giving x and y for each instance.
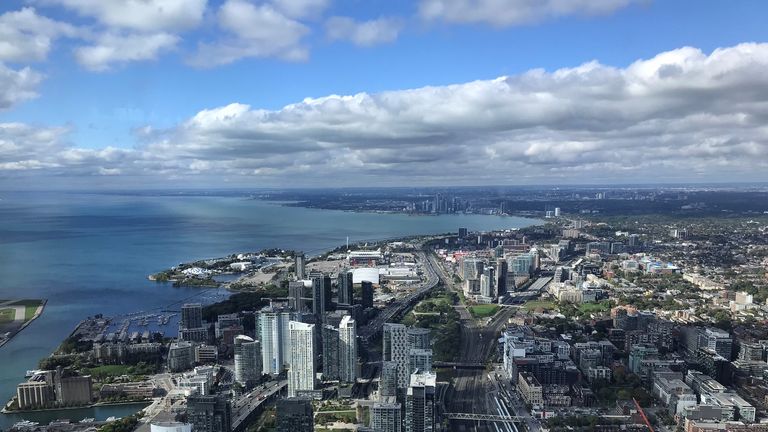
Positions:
(7, 315)
(588, 308)
(108, 371)
(539, 304)
(29, 312)
(484, 310)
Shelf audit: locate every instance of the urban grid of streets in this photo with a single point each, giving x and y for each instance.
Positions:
(477, 391)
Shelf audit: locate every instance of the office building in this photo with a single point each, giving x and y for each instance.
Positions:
(420, 403)
(344, 285)
(302, 369)
(367, 294)
(301, 266)
(397, 349)
(294, 415)
(209, 413)
(386, 417)
(181, 356)
(347, 350)
(247, 360)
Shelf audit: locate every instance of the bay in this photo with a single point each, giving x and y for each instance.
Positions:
(90, 253)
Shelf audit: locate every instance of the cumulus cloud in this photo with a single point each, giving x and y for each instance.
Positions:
(363, 33)
(140, 15)
(27, 36)
(17, 85)
(253, 31)
(110, 48)
(25, 148)
(681, 115)
(513, 12)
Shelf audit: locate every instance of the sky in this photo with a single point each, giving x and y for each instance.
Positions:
(313, 93)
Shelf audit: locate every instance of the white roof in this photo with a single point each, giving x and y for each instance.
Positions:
(368, 274)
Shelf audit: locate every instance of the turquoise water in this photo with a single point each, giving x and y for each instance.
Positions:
(91, 253)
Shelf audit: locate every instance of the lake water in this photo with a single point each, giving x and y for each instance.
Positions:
(91, 253)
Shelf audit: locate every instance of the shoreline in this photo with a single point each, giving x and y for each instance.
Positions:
(37, 315)
(90, 406)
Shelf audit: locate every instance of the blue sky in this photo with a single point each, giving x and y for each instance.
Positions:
(91, 102)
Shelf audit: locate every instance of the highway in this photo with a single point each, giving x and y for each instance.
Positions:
(246, 404)
(398, 306)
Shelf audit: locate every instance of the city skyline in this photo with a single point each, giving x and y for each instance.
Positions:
(436, 92)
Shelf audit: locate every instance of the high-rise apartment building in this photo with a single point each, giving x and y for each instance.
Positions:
(386, 417)
(191, 325)
(388, 379)
(419, 360)
(331, 358)
(420, 403)
(303, 367)
(397, 349)
(274, 340)
(347, 350)
(191, 315)
(247, 359)
(418, 337)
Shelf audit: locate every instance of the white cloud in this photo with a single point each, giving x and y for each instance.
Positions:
(514, 12)
(110, 48)
(682, 115)
(17, 85)
(363, 33)
(27, 36)
(153, 16)
(28, 148)
(255, 31)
